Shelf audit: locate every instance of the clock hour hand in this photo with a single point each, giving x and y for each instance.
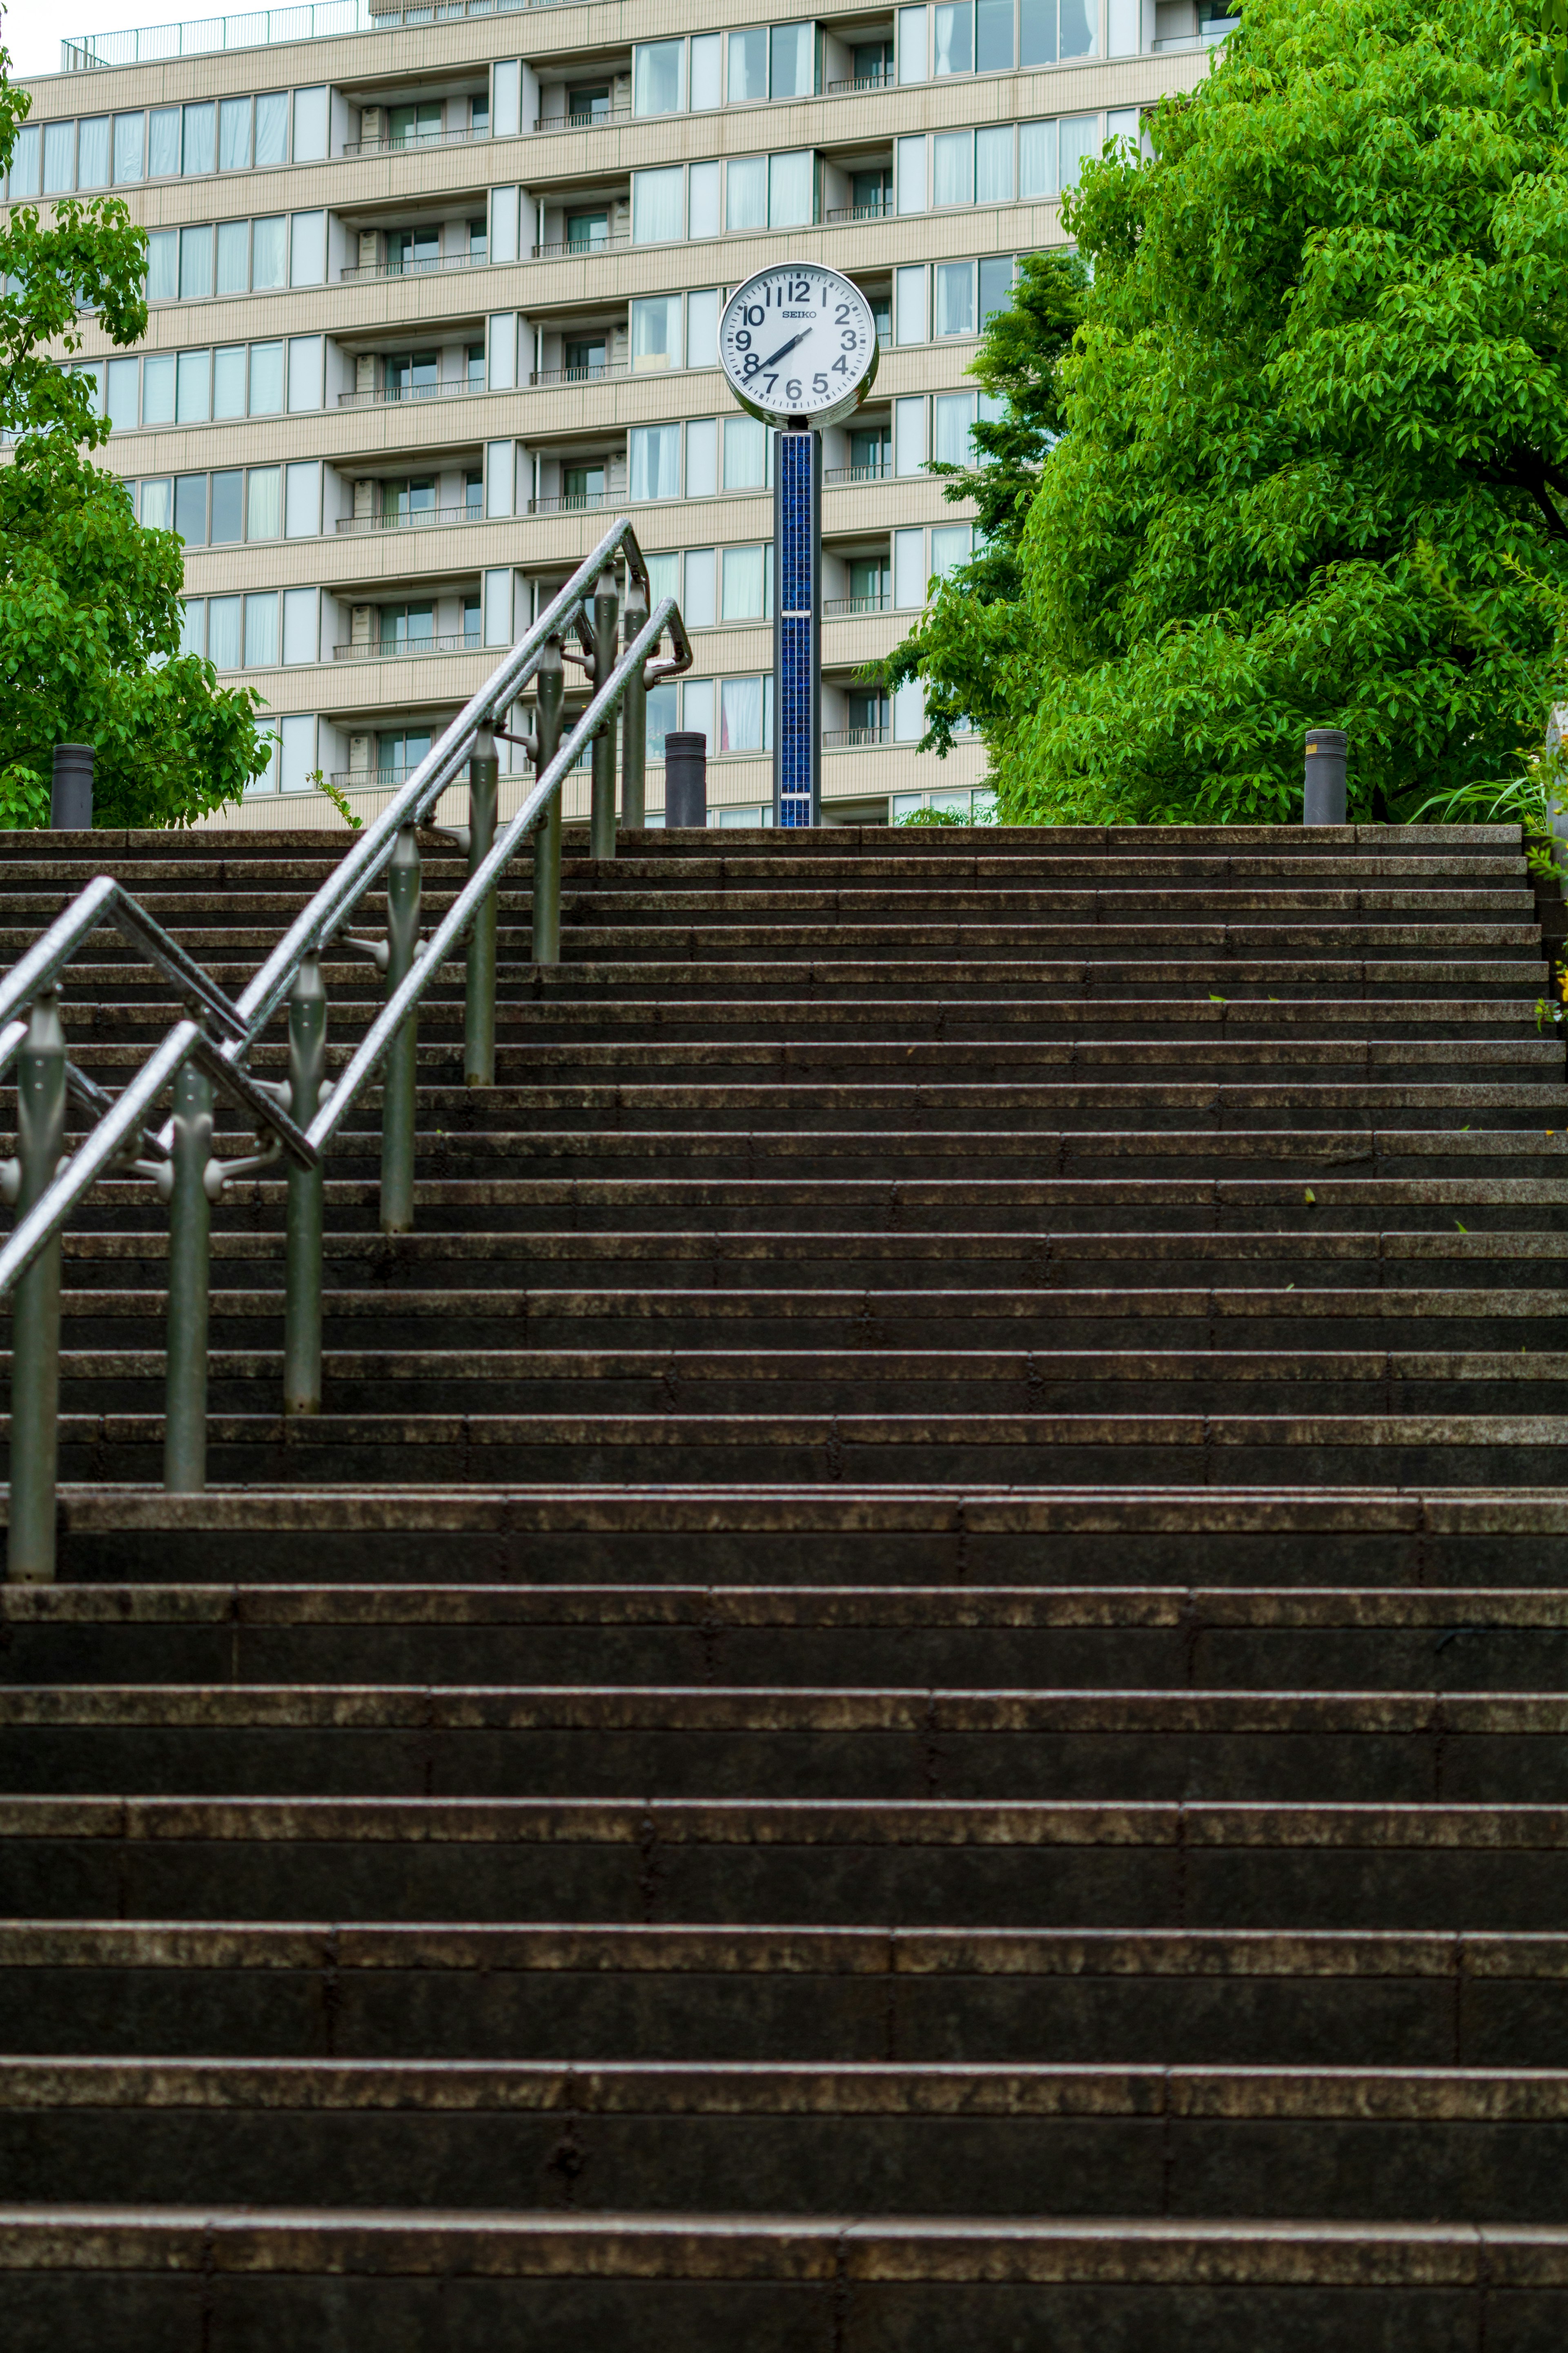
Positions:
(784, 348)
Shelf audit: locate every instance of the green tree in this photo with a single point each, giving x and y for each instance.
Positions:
(1315, 463)
(89, 603)
(961, 644)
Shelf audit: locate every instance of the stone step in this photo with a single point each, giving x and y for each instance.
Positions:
(330, 1989)
(205, 2279)
(1013, 1862)
(1434, 1639)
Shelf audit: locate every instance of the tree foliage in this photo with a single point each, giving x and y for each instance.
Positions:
(90, 603)
(1314, 468)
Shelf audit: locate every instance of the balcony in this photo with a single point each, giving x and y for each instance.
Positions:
(580, 374)
(581, 245)
(575, 501)
(838, 608)
(412, 392)
(854, 739)
(883, 80)
(881, 210)
(876, 472)
(416, 519)
(585, 120)
(362, 272)
(457, 642)
(395, 142)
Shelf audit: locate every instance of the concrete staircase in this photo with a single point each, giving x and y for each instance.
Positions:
(913, 1692)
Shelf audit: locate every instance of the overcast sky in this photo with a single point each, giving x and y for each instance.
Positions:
(33, 29)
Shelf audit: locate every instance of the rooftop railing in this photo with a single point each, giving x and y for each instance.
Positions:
(258, 29)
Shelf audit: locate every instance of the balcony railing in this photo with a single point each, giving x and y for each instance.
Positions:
(416, 519)
(883, 80)
(837, 608)
(881, 470)
(881, 210)
(423, 266)
(369, 780)
(581, 244)
(580, 374)
(853, 739)
(585, 121)
(574, 501)
(457, 642)
(395, 142)
(447, 391)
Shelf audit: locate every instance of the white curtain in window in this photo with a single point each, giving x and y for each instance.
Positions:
(93, 153)
(655, 455)
(198, 141)
(793, 62)
(263, 503)
(955, 297)
(193, 399)
(908, 569)
(663, 577)
(911, 45)
(697, 708)
(954, 417)
(233, 135)
(265, 379)
(123, 389)
(223, 632)
(656, 77)
(740, 715)
(742, 584)
(261, 630)
(233, 257)
(272, 127)
(952, 177)
(193, 618)
(948, 548)
(1080, 140)
(163, 143)
(746, 193)
(910, 313)
(129, 150)
(745, 454)
(163, 265)
(196, 264)
(993, 164)
(267, 250)
(298, 752)
(656, 331)
(158, 388)
(310, 125)
(790, 190)
(658, 207)
(59, 158)
(1037, 159)
(955, 41)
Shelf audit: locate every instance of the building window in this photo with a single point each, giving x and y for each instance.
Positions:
(656, 77)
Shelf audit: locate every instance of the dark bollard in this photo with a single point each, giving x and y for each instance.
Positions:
(1325, 802)
(70, 795)
(685, 779)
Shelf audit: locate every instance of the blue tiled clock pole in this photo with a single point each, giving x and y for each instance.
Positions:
(797, 627)
(798, 344)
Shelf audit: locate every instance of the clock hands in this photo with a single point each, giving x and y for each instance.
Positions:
(782, 350)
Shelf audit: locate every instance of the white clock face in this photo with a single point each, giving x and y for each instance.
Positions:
(798, 342)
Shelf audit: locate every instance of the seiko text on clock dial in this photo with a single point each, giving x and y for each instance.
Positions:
(799, 343)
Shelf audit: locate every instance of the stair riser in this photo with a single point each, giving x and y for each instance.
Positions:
(336, 2013)
(994, 2165)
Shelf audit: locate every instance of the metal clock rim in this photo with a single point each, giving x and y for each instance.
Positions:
(781, 419)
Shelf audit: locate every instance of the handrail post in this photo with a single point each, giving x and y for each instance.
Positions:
(602, 821)
(36, 1314)
(634, 718)
(190, 1278)
(399, 1071)
(302, 1247)
(547, 833)
(480, 991)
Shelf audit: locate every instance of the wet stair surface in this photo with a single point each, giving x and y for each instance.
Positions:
(914, 1690)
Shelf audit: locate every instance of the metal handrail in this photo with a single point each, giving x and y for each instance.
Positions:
(207, 1050)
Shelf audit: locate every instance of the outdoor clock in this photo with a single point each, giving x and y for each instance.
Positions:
(799, 346)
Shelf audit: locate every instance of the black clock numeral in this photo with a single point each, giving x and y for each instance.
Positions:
(819, 385)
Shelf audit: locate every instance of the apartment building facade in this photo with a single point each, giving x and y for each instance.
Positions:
(433, 292)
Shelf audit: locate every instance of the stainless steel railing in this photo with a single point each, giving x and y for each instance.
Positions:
(298, 1121)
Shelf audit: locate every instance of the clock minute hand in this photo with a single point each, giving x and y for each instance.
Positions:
(783, 350)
